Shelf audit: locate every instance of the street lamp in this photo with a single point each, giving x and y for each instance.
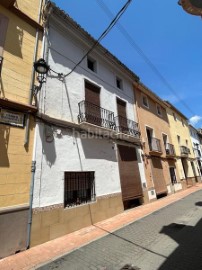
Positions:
(42, 68)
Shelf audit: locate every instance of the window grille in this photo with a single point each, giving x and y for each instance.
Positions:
(79, 188)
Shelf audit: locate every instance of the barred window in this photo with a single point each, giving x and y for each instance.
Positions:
(79, 188)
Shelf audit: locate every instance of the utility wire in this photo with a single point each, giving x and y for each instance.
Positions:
(106, 31)
(142, 54)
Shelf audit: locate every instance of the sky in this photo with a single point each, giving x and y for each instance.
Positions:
(157, 40)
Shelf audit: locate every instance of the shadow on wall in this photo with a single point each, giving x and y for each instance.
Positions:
(188, 254)
(98, 149)
(46, 133)
(4, 139)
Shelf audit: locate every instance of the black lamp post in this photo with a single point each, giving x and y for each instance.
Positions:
(42, 68)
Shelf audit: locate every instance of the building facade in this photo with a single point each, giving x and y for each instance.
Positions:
(196, 148)
(20, 36)
(186, 162)
(158, 150)
(88, 161)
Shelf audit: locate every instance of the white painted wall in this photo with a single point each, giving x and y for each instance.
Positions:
(67, 152)
(60, 98)
(194, 139)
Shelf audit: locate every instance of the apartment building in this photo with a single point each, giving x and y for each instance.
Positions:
(186, 161)
(196, 148)
(88, 155)
(157, 148)
(20, 36)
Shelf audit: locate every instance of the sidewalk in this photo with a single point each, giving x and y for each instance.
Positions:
(49, 251)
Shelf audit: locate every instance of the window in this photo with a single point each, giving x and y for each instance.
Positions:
(145, 101)
(119, 83)
(158, 109)
(79, 188)
(182, 122)
(186, 142)
(91, 63)
(174, 116)
(178, 139)
(3, 30)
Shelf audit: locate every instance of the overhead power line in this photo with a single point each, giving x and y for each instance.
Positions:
(132, 42)
(106, 31)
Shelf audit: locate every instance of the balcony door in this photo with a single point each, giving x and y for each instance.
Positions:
(92, 104)
(122, 117)
(149, 137)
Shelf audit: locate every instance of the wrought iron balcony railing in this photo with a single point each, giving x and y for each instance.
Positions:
(184, 150)
(127, 126)
(93, 114)
(170, 150)
(155, 145)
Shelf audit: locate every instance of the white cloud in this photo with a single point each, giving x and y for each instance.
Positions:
(195, 119)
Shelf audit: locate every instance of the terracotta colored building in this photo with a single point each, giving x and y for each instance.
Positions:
(157, 149)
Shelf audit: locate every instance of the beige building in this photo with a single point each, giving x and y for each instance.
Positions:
(158, 150)
(20, 38)
(180, 135)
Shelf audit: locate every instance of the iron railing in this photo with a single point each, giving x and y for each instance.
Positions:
(155, 145)
(91, 113)
(170, 150)
(127, 126)
(184, 150)
(79, 188)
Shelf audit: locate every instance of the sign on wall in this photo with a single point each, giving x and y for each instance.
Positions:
(12, 118)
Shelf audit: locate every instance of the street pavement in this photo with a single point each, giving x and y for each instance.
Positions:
(168, 239)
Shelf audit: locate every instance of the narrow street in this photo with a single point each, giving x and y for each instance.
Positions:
(167, 239)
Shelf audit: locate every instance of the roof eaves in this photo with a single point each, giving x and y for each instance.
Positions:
(62, 14)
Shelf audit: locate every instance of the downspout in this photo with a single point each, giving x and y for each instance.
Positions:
(33, 166)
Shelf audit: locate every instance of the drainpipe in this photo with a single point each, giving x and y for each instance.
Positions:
(33, 166)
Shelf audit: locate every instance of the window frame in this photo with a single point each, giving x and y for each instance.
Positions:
(120, 82)
(146, 106)
(158, 106)
(79, 188)
(94, 64)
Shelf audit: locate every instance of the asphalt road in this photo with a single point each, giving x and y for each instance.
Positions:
(168, 239)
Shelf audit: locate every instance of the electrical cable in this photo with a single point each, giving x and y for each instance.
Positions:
(142, 54)
(106, 31)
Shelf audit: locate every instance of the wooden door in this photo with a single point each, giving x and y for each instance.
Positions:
(158, 177)
(122, 117)
(129, 173)
(92, 104)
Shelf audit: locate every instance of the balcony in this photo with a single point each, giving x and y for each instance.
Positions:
(95, 119)
(127, 129)
(155, 147)
(185, 151)
(170, 150)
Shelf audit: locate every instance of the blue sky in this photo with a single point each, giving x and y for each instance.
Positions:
(168, 36)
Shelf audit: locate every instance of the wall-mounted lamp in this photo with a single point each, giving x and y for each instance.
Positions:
(42, 68)
(1, 64)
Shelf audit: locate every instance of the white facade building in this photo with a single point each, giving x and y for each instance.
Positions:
(88, 155)
(196, 148)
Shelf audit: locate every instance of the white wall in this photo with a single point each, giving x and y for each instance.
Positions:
(60, 98)
(70, 153)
